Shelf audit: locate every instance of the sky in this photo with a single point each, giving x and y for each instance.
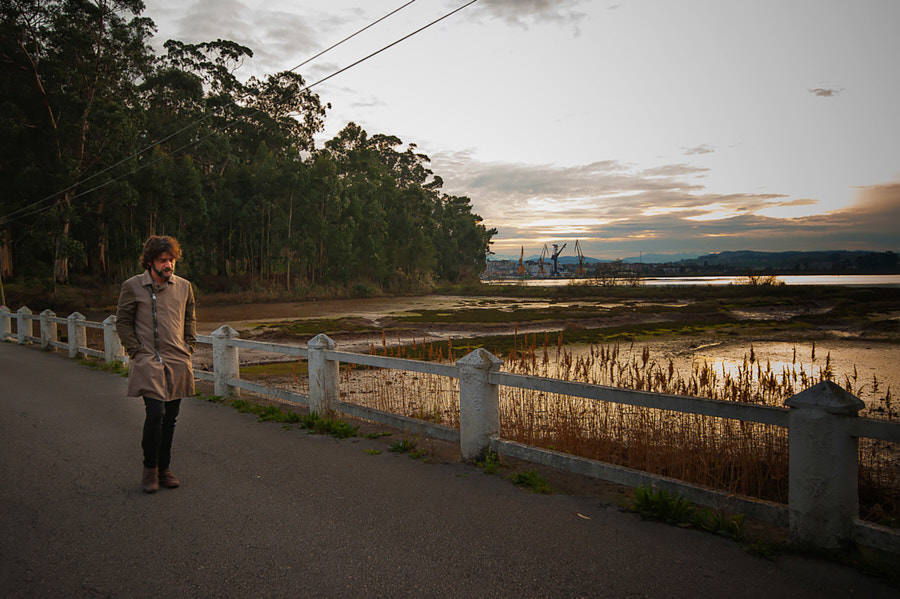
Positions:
(651, 126)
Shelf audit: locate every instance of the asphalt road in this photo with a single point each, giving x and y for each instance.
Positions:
(268, 512)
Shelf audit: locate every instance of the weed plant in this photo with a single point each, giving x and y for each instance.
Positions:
(402, 446)
(532, 481)
(660, 504)
(115, 367)
(489, 462)
(315, 423)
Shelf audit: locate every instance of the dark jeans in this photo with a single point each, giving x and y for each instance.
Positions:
(159, 427)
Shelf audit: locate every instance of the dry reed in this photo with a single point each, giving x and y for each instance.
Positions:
(738, 457)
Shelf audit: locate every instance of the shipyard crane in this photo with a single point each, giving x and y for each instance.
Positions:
(555, 258)
(521, 264)
(544, 254)
(580, 254)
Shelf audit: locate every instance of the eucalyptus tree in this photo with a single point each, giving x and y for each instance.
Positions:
(71, 68)
(138, 144)
(460, 238)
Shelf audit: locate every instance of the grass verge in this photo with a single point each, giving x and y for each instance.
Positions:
(115, 367)
(532, 481)
(313, 422)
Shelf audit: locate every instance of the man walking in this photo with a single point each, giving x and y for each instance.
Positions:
(156, 323)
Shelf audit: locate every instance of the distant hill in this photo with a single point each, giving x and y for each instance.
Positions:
(799, 261)
(574, 260)
(659, 258)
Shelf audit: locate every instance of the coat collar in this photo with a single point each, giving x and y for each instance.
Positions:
(147, 280)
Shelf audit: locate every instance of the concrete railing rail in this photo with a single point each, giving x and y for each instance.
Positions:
(76, 324)
(822, 421)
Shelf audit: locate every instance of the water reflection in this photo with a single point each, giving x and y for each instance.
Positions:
(848, 280)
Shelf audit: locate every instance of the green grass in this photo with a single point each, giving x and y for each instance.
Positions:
(298, 368)
(98, 364)
(502, 345)
(402, 446)
(719, 522)
(532, 481)
(265, 413)
(717, 324)
(662, 292)
(499, 315)
(328, 426)
(313, 422)
(209, 397)
(373, 451)
(660, 504)
(300, 328)
(489, 462)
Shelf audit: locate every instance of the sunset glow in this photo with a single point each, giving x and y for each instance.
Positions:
(632, 126)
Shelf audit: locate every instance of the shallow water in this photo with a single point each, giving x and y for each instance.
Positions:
(870, 359)
(862, 362)
(245, 315)
(848, 280)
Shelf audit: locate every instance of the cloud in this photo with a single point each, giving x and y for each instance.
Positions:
(616, 210)
(825, 92)
(701, 149)
(800, 202)
(319, 70)
(673, 170)
(280, 40)
(523, 13)
(368, 102)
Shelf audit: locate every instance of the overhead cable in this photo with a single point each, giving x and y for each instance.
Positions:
(6, 219)
(26, 210)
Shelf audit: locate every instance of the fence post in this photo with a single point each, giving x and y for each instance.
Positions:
(48, 329)
(112, 346)
(823, 493)
(77, 336)
(225, 361)
(24, 325)
(324, 385)
(479, 402)
(5, 317)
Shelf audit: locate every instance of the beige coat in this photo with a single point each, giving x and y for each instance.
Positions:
(160, 363)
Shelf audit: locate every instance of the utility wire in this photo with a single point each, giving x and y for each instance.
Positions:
(205, 137)
(25, 210)
(6, 220)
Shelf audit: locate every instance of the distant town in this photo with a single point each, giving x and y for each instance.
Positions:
(723, 263)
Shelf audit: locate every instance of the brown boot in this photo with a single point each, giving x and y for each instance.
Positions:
(150, 481)
(167, 479)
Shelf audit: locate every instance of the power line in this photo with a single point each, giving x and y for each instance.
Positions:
(25, 210)
(6, 220)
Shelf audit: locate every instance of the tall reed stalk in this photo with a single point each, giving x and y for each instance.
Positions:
(734, 456)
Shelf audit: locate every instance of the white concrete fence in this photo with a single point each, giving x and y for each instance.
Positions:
(824, 427)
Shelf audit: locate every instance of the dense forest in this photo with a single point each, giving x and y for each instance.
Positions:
(238, 177)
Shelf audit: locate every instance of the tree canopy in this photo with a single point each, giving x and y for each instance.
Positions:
(237, 177)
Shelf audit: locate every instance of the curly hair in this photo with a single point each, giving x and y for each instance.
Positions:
(156, 245)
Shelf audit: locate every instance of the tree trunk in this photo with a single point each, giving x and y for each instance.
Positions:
(102, 266)
(103, 252)
(6, 261)
(61, 258)
(290, 257)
